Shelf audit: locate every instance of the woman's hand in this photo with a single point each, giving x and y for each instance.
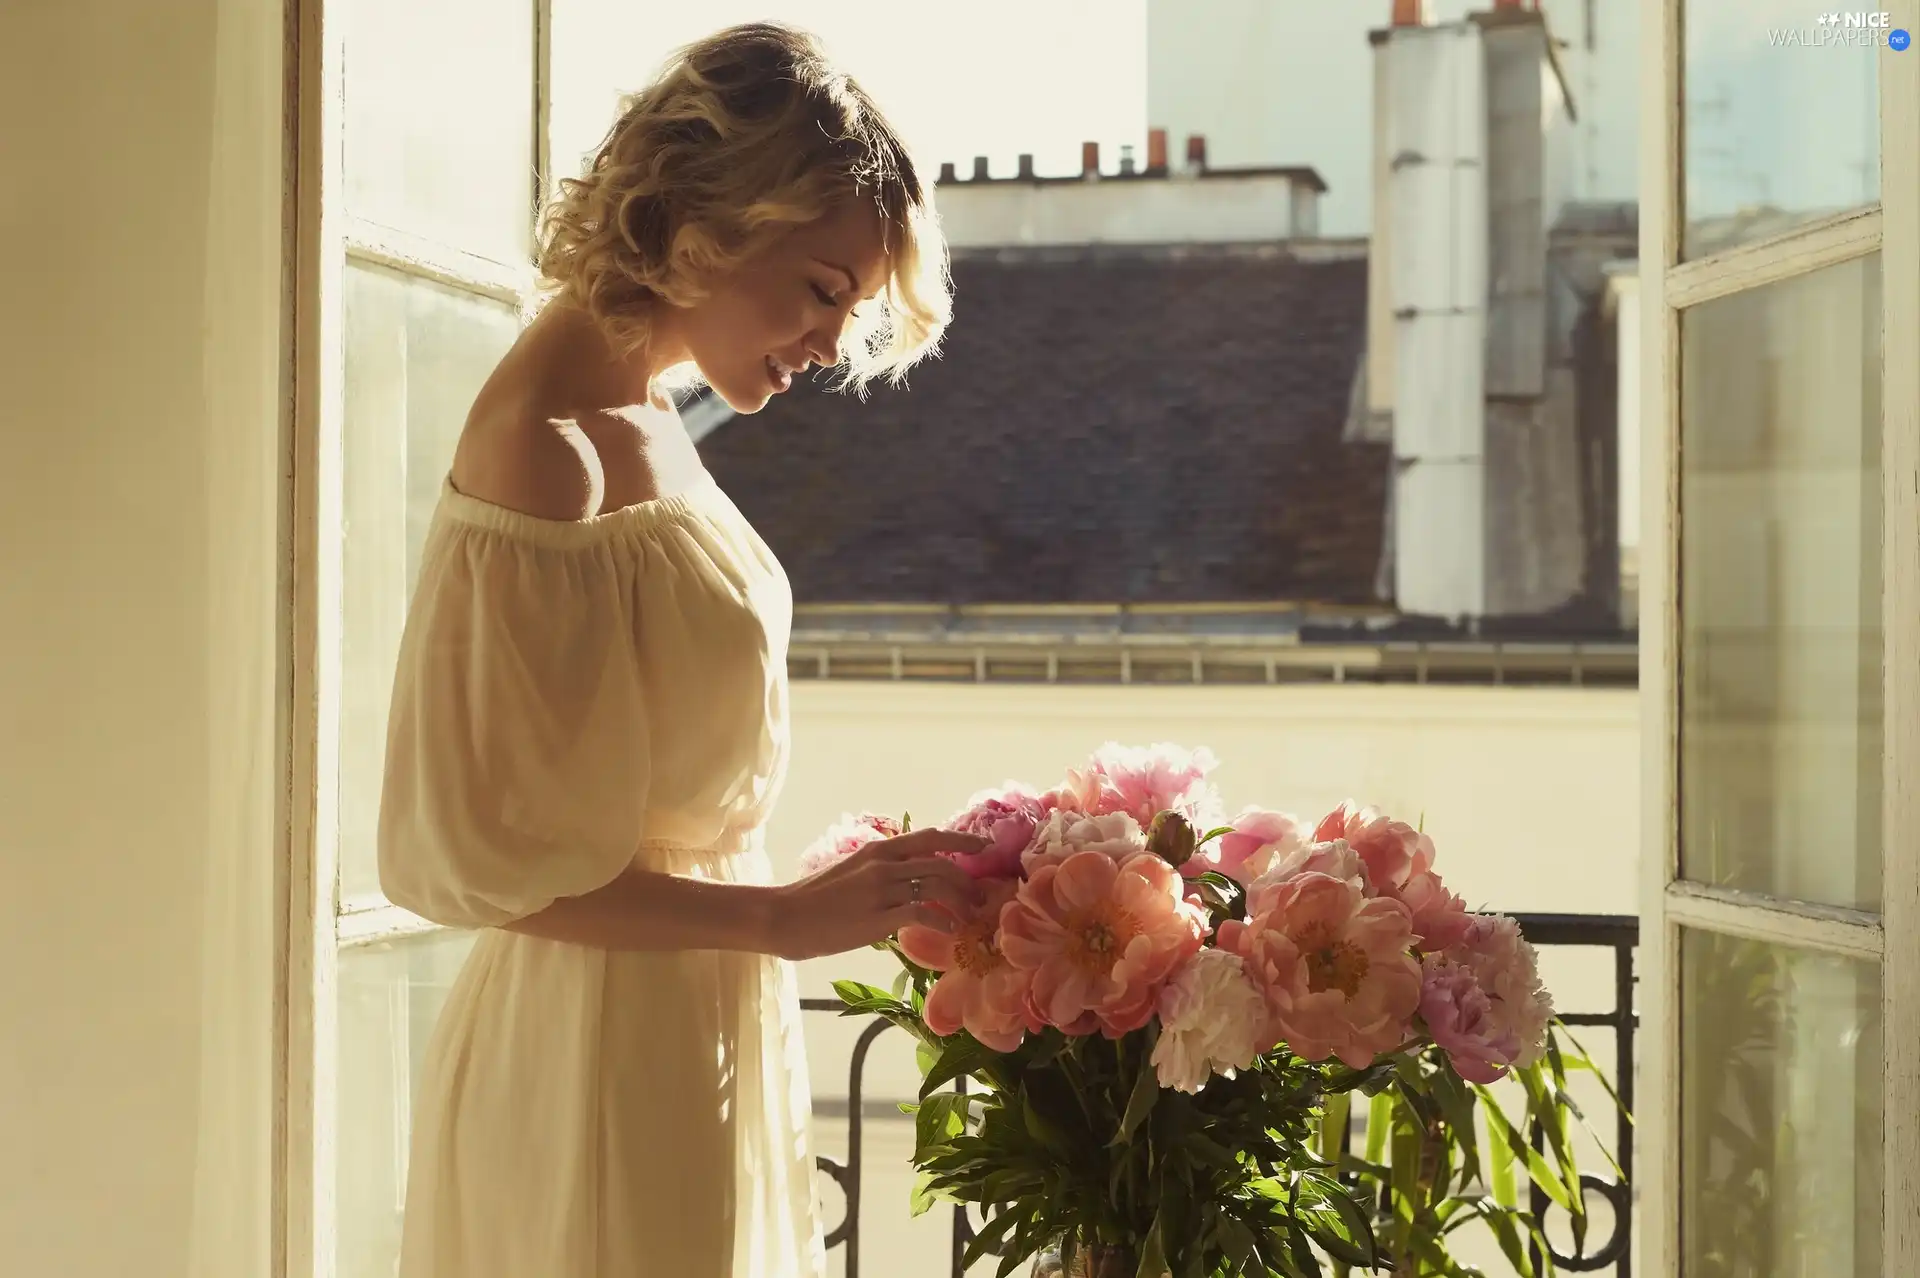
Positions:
(881, 888)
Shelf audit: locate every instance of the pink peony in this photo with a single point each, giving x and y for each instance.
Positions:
(843, 839)
(1507, 970)
(1259, 841)
(978, 989)
(1066, 832)
(1399, 861)
(1144, 782)
(1464, 1021)
(1010, 816)
(1334, 965)
(1335, 860)
(1211, 1020)
(1100, 937)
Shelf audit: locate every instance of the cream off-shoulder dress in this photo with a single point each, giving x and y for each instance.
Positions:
(572, 699)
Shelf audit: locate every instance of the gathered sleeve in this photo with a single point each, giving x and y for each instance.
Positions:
(518, 755)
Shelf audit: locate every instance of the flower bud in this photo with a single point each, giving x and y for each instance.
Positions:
(1172, 838)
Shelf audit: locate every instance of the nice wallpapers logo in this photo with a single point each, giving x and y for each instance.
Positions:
(1836, 30)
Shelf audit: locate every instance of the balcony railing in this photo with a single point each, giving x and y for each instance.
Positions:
(1617, 934)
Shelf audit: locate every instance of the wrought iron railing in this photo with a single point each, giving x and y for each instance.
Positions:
(1618, 934)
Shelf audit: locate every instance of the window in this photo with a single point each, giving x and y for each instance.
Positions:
(424, 135)
(1780, 640)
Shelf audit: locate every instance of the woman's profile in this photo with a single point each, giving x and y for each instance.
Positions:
(589, 722)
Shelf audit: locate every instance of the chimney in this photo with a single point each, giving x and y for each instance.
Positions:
(1126, 160)
(1457, 372)
(1413, 13)
(948, 174)
(979, 168)
(1197, 153)
(1089, 159)
(1156, 150)
(1026, 168)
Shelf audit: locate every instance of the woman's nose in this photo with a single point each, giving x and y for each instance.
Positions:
(823, 345)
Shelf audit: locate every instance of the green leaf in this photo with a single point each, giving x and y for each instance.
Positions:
(963, 1056)
(1153, 1250)
(1538, 1168)
(1379, 1123)
(861, 997)
(1236, 1240)
(988, 1238)
(924, 1196)
(1146, 1094)
(1334, 1120)
(1500, 1160)
(1456, 1105)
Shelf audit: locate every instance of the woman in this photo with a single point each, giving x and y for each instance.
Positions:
(589, 719)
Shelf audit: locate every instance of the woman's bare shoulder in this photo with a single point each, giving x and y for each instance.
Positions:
(543, 467)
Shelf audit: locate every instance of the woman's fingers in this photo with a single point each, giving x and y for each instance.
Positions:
(926, 843)
(940, 880)
(921, 916)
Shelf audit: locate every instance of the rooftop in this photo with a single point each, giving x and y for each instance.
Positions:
(1107, 425)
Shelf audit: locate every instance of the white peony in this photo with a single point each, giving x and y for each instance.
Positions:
(1117, 834)
(1211, 1020)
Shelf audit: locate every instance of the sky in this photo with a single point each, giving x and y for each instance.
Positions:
(991, 77)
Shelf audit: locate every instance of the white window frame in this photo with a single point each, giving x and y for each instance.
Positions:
(316, 924)
(1892, 937)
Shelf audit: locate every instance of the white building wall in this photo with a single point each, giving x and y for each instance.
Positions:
(1233, 209)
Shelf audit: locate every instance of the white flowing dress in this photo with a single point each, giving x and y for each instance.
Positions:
(573, 698)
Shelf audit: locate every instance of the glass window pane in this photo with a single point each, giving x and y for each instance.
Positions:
(1781, 120)
(390, 997)
(1780, 1111)
(416, 354)
(1780, 624)
(440, 119)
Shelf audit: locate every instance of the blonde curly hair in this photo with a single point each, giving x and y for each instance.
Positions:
(744, 134)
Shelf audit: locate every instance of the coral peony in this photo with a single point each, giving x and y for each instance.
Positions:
(1399, 861)
(1100, 937)
(1335, 860)
(1464, 1021)
(978, 990)
(1011, 816)
(1066, 832)
(1212, 1019)
(1507, 969)
(1144, 782)
(1260, 840)
(1334, 966)
(847, 836)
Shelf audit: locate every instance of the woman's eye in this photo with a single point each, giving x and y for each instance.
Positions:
(826, 298)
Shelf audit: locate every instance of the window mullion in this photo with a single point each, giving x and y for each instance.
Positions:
(414, 255)
(1900, 638)
(1829, 242)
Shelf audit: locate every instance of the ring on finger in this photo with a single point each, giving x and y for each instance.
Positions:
(913, 890)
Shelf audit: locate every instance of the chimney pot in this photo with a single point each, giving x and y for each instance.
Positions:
(1197, 151)
(1089, 159)
(980, 168)
(1156, 150)
(948, 173)
(1126, 159)
(1026, 167)
(1411, 13)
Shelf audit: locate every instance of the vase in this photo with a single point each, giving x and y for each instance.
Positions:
(1090, 1260)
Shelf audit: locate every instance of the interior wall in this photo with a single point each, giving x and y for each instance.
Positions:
(140, 463)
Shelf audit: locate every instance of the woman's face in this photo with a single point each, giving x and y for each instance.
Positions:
(785, 308)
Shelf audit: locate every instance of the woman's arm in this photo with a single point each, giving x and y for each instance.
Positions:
(647, 910)
(867, 897)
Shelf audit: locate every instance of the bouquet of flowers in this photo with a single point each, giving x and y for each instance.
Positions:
(1141, 1054)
